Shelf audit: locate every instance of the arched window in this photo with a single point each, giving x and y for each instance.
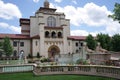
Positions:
(15, 53)
(51, 21)
(59, 35)
(53, 35)
(47, 34)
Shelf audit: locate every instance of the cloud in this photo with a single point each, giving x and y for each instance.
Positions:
(74, 1)
(9, 11)
(15, 29)
(79, 33)
(91, 15)
(36, 1)
(10, 27)
(3, 25)
(58, 1)
(83, 33)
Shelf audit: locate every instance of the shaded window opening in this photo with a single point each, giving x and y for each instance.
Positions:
(22, 44)
(36, 43)
(76, 44)
(47, 34)
(59, 35)
(15, 53)
(15, 43)
(53, 35)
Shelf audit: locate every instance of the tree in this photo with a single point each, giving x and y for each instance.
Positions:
(91, 42)
(116, 15)
(1, 49)
(116, 42)
(105, 41)
(7, 47)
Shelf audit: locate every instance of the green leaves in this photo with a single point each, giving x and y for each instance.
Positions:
(91, 43)
(116, 11)
(105, 41)
(116, 42)
(7, 47)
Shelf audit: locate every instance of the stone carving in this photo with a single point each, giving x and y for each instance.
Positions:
(100, 49)
(85, 47)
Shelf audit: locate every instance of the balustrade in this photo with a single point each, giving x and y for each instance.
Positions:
(16, 68)
(105, 71)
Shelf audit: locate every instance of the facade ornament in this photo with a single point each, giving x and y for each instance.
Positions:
(46, 4)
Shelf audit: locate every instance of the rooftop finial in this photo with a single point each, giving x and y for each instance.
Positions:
(46, 4)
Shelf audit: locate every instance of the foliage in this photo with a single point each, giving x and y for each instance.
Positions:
(1, 48)
(7, 47)
(116, 42)
(116, 11)
(105, 41)
(91, 43)
(30, 55)
(81, 61)
(110, 63)
(43, 59)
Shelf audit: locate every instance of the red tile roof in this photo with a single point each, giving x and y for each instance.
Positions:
(77, 37)
(15, 36)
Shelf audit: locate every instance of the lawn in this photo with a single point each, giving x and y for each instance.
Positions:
(31, 76)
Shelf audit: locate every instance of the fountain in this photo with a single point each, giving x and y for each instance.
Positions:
(21, 57)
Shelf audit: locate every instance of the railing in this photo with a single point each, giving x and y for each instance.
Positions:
(16, 68)
(11, 62)
(104, 71)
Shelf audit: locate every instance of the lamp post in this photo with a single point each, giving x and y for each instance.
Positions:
(18, 42)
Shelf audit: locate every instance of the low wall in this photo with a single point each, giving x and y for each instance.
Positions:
(16, 68)
(104, 71)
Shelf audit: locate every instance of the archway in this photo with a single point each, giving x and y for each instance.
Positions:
(52, 51)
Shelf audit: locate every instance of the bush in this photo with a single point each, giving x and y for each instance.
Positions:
(30, 56)
(81, 61)
(43, 59)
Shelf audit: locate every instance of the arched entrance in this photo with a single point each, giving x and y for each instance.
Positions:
(52, 51)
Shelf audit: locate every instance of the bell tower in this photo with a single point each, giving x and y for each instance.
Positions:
(46, 4)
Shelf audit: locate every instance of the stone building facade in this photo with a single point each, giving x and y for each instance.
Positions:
(46, 33)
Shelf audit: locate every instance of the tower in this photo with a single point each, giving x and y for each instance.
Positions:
(53, 29)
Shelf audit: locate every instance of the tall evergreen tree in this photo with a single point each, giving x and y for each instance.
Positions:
(7, 47)
(91, 42)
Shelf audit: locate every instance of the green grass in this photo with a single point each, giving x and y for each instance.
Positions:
(31, 76)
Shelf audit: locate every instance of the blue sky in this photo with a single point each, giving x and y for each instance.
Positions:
(86, 16)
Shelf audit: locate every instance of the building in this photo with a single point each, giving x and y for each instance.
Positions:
(46, 33)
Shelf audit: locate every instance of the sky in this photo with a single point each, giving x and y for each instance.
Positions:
(86, 16)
